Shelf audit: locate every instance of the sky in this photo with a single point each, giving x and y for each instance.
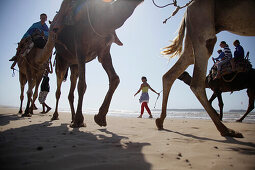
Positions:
(143, 36)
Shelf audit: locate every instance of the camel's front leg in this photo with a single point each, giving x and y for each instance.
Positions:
(114, 81)
(168, 79)
(73, 79)
(60, 76)
(22, 81)
(198, 88)
(78, 120)
(251, 95)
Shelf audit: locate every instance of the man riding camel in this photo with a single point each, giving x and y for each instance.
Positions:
(227, 57)
(238, 54)
(27, 41)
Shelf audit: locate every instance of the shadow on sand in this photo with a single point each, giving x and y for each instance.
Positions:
(44, 146)
(230, 140)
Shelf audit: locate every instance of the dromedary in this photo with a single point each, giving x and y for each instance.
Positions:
(243, 80)
(31, 69)
(202, 21)
(90, 35)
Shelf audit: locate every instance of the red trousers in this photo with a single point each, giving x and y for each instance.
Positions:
(145, 105)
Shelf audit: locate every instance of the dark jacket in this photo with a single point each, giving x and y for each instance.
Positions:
(45, 84)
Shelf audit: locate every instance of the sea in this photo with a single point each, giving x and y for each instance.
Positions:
(231, 115)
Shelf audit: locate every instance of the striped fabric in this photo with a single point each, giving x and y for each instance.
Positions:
(227, 52)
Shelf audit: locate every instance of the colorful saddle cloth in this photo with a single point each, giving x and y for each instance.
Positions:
(240, 66)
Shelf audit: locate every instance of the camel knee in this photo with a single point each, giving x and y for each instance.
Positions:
(167, 80)
(71, 97)
(221, 105)
(58, 93)
(196, 89)
(21, 97)
(115, 81)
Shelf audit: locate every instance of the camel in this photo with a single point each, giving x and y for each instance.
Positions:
(203, 19)
(243, 80)
(31, 69)
(90, 36)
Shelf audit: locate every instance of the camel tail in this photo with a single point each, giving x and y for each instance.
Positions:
(176, 47)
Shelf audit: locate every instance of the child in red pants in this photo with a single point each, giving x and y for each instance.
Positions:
(144, 99)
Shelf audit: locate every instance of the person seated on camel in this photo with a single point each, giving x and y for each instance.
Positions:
(227, 57)
(238, 54)
(220, 57)
(26, 43)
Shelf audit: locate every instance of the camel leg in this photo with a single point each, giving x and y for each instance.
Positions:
(198, 84)
(78, 120)
(29, 94)
(114, 81)
(251, 95)
(168, 79)
(214, 95)
(22, 81)
(60, 76)
(35, 94)
(221, 104)
(73, 79)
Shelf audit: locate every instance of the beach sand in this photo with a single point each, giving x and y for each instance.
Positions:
(125, 144)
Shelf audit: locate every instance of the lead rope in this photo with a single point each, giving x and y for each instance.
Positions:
(98, 34)
(157, 99)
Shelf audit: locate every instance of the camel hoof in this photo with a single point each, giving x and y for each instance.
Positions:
(54, 118)
(239, 120)
(77, 125)
(159, 124)
(101, 121)
(26, 115)
(232, 133)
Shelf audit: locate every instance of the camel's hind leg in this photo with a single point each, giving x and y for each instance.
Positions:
(82, 86)
(218, 95)
(221, 104)
(202, 54)
(73, 79)
(168, 79)
(35, 94)
(251, 95)
(60, 76)
(22, 81)
(114, 80)
(29, 94)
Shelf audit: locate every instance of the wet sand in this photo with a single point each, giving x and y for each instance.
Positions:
(125, 144)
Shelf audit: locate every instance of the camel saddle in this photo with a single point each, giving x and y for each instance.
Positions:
(26, 44)
(240, 66)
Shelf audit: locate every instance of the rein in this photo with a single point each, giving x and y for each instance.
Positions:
(230, 80)
(157, 99)
(98, 34)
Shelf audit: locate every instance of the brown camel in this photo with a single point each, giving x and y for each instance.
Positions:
(202, 21)
(31, 69)
(243, 80)
(89, 36)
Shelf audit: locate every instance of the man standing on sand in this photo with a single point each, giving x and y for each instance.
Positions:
(45, 89)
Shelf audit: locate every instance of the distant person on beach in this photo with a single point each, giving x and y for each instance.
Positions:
(144, 99)
(45, 89)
